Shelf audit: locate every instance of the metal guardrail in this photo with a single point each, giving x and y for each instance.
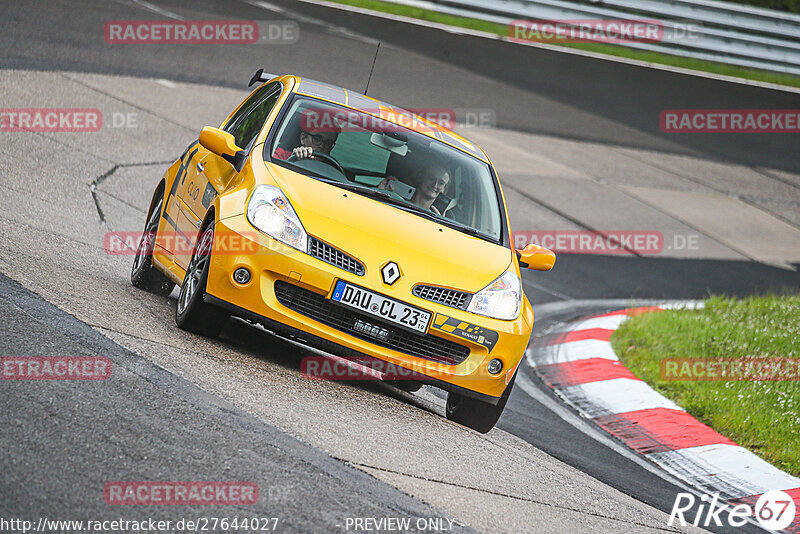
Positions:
(719, 31)
(768, 22)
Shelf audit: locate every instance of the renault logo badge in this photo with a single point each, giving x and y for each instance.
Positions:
(390, 273)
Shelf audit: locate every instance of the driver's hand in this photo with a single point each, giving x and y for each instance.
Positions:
(303, 152)
(386, 183)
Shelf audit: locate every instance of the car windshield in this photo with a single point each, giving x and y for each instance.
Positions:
(390, 163)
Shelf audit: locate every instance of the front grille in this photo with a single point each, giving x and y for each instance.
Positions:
(328, 254)
(442, 295)
(321, 309)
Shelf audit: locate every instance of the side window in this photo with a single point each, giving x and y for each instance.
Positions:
(249, 119)
(259, 94)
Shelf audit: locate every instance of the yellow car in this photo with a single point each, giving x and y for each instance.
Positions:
(353, 226)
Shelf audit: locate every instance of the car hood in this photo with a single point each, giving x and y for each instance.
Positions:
(376, 233)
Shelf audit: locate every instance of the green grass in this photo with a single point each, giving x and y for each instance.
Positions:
(763, 416)
(602, 48)
(781, 5)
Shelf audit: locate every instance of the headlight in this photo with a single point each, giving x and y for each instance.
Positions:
(502, 299)
(271, 212)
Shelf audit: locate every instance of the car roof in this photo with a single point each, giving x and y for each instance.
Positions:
(388, 112)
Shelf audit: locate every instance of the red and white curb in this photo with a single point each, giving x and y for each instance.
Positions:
(578, 363)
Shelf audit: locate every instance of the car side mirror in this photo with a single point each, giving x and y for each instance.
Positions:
(536, 257)
(223, 144)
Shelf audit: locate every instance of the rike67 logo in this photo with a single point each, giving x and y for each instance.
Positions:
(774, 510)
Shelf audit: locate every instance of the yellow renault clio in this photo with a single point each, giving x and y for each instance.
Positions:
(354, 226)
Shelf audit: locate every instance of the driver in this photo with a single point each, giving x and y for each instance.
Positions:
(313, 138)
(433, 181)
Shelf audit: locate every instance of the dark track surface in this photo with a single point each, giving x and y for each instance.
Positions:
(164, 418)
(601, 277)
(613, 103)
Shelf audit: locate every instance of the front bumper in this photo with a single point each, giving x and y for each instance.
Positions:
(271, 262)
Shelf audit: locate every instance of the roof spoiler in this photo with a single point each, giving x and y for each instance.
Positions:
(260, 76)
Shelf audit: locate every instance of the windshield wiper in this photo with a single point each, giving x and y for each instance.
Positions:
(466, 229)
(369, 191)
(378, 193)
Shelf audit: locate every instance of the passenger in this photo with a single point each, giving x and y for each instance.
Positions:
(433, 181)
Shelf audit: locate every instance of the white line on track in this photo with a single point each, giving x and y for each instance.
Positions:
(547, 290)
(311, 20)
(155, 9)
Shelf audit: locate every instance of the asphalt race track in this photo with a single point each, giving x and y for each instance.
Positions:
(577, 145)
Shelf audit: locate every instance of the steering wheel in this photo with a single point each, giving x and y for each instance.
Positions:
(323, 158)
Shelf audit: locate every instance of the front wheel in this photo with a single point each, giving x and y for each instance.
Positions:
(474, 413)
(193, 314)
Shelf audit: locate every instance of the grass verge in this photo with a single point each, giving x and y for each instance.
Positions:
(602, 48)
(763, 416)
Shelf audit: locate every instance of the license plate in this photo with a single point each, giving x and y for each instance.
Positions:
(388, 309)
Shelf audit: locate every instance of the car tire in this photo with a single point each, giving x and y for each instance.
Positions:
(192, 314)
(143, 274)
(474, 413)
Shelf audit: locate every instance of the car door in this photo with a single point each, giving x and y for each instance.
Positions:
(176, 240)
(206, 174)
